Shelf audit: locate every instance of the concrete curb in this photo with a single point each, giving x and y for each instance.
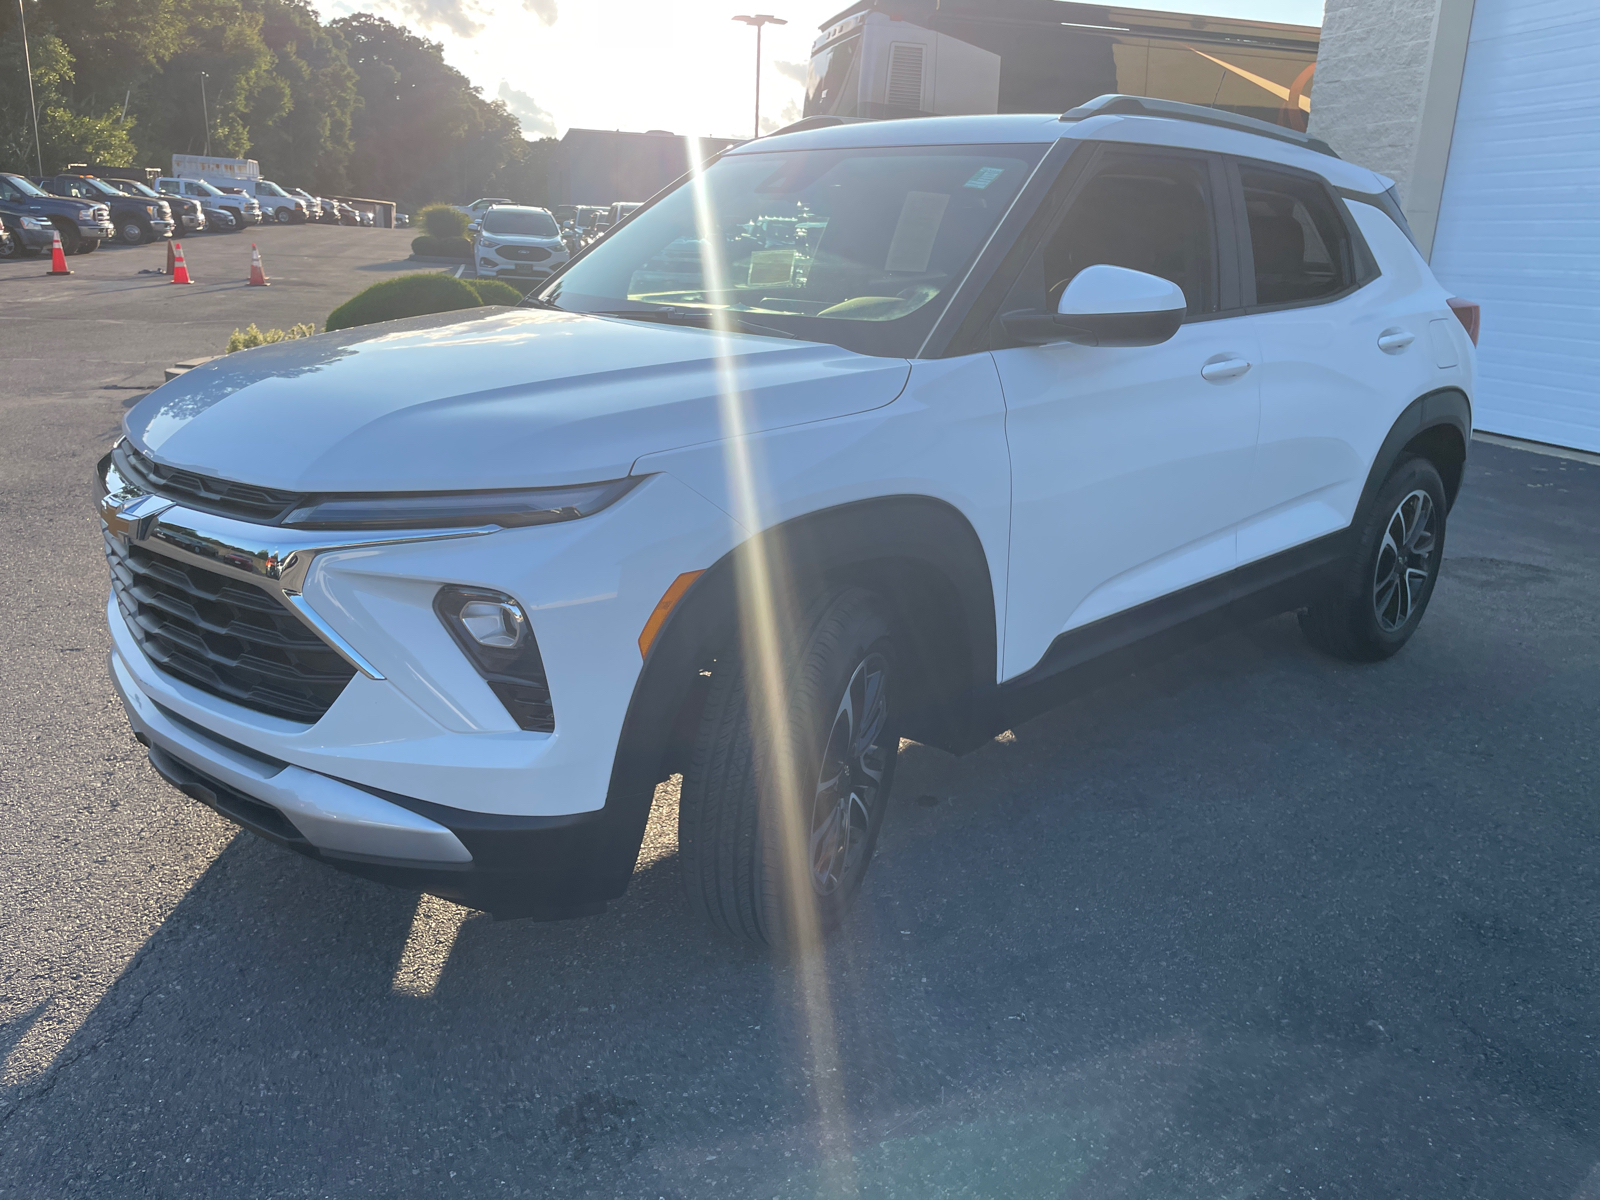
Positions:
(446, 262)
(177, 369)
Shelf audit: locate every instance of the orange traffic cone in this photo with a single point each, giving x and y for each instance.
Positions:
(180, 272)
(258, 277)
(58, 259)
(171, 261)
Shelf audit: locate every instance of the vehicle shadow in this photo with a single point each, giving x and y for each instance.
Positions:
(1173, 938)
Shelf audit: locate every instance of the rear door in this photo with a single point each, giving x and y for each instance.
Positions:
(1130, 466)
(1344, 350)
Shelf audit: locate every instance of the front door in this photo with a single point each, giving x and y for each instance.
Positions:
(1131, 467)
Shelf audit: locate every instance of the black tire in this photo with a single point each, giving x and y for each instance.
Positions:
(86, 246)
(134, 231)
(1379, 593)
(12, 246)
(284, 215)
(774, 845)
(70, 237)
(236, 220)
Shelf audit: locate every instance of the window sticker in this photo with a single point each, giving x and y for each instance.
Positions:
(771, 267)
(984, 176)
(915, 232)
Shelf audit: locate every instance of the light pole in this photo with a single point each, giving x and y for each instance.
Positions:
(205, 112)
(27, 65)
(758, 21)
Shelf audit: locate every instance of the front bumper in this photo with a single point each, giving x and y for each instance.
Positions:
(194, 221)
(416, 758)
(539, 867)
(34, 239)
(163, 228)
(99, 230)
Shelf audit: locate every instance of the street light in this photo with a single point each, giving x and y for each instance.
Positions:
(207, 114)
(27, 65)
(758, 21)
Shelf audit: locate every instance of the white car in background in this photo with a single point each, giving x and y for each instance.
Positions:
(478, 207)
(442, 601)
(517, 242)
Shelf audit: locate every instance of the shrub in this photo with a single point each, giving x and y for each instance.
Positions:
(442, 221)
(403, 296)
(493, 291)
(243, 339)
(428, 246)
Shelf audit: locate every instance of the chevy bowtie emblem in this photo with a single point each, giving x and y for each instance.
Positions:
(130, 519)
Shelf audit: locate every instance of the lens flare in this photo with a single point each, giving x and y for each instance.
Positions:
(764, 593)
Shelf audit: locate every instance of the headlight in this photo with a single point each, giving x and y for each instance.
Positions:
(488, 245)
(30, 223)
(456, 510)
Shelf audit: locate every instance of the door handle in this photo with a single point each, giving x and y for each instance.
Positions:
(1394, 341)
(1222, 369)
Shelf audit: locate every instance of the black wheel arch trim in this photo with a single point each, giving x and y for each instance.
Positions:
(920, 553)
(1445, 410)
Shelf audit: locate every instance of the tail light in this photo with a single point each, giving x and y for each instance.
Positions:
(1468, 314)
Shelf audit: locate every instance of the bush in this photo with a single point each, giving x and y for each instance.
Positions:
(243, 339)
(442, 221)
(428, 246)
(492, 291)
(403, 296)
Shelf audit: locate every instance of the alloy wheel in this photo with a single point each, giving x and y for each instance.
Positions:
(850, 783)
(1405, 560)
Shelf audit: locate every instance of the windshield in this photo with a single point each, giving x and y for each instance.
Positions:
(205, 187)
(104, 188)
(856, 247)
(23, 186)
(270, 188)
(134, 188)
(520, 223)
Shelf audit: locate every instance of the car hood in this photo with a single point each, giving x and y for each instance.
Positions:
(488, 398)
(552, 242)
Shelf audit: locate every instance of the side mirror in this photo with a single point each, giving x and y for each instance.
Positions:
(1113, 306)
(473, 229)
(1105, 306)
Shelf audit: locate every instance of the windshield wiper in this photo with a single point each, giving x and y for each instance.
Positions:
(532, 301)
(697, 316)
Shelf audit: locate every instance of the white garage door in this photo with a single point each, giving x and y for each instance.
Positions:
(1519, 222)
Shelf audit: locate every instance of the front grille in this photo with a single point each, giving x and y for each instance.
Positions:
(204, 492)
(524, 253)
(224, 636)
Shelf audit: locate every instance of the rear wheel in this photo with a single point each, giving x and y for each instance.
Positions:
(1382, 589)
(779, 812)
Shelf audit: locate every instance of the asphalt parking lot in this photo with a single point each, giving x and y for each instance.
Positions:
(1248, 924)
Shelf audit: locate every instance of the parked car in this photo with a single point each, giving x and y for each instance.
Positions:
(1044, 388)
(187, 214)
(28, 234)
(480, 206)
(250, 205)
(226, 212)
(82, 224)
(313, 205)
(402, 220)
(517, 242)
(138, 219)
(279, 205)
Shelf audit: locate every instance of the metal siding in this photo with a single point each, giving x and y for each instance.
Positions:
(1519, 223)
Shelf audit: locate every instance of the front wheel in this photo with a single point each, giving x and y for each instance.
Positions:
(1379, 593)
(284, 216)
(132, 232)
(780, 810)
(86, 246)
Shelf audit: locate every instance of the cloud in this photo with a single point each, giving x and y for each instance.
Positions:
(458, 16)
(467, 18)
(536, 122)
(790, 70)
(789, 115)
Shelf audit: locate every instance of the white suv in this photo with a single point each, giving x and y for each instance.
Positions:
(867, 431)
(517, 242)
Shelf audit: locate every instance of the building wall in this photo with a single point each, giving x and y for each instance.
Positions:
(1388, 80)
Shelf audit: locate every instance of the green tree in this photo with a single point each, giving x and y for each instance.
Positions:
(66, 133)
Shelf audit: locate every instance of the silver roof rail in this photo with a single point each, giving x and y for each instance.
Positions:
(1144, 106)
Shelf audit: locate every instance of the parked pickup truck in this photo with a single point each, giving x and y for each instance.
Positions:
(187, 215)
(136, 218)
(82, 224)
(224, 210)
(29, 234)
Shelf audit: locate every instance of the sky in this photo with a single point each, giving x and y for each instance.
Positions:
(680, 65)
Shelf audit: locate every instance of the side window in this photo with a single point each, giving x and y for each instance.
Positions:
(7, 192)
(1299, 242)
(1148, 213)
